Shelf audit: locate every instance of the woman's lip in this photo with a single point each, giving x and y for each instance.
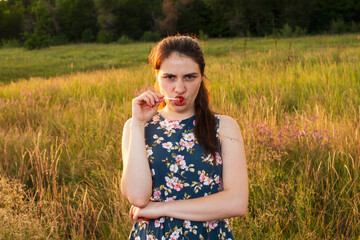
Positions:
(180, 100)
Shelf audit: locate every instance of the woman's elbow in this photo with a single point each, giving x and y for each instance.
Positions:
(136, 198)
(238, 206)
(241, 209)
(139, 202)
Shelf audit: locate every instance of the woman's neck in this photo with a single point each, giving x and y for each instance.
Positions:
(172, 115)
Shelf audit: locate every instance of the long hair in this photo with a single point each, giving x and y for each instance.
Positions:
(205, 121)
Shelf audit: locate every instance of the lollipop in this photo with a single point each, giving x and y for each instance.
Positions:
(178, 100)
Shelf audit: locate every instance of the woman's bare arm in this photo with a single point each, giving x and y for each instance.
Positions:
(230, 202)
(136, 181)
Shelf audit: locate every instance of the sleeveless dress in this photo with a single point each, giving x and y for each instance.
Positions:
(180, 170)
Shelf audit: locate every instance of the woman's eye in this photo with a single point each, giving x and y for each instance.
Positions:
(170, 77)
(189, 77)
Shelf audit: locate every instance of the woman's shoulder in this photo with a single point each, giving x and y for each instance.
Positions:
(126, 126)
(128, 123)
(226, 120)
(228, 126)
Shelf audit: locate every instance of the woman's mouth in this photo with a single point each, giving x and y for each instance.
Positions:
(178, 100)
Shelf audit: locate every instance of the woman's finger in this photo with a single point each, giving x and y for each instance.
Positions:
(135, 216)
(156, 96)
(131, 214)
(142, 99)
(151, 99)
(142, 219)
(138, 218)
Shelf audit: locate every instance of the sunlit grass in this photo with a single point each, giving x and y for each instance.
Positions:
(298, 108)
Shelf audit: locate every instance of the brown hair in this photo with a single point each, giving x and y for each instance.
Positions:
(205, 127)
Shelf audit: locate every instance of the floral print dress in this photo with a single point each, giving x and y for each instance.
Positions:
(180, 170)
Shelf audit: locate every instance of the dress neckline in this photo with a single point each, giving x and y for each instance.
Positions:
(181, 120)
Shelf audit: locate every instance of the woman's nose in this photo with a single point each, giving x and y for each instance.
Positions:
(180, 87)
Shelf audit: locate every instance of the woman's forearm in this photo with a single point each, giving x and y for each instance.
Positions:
(224, 204)
(220, 205)
(136, 179)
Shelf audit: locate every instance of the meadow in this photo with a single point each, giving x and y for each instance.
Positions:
(297, 102)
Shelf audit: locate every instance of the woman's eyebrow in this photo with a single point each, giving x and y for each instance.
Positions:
(193, 73)
(186, 74)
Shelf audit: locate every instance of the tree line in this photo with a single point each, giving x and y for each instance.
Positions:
(40, 23)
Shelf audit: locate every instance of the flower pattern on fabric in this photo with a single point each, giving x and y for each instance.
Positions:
(180, 170)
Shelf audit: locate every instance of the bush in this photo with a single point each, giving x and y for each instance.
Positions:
(288, 31)
(338, 26)
(59, 40)
(124, 39)
(87, 35)
(36, 40)
(10, 43)
(299, 31)
(149, 36)
(355, 27)
(203, 36)
(105, 37)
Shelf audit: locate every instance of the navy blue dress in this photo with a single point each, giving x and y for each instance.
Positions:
(180, 170)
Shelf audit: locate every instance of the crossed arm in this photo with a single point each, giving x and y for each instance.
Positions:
(230, 202)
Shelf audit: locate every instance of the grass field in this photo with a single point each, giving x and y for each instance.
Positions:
(297, 102)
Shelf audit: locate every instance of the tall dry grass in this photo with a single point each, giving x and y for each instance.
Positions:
(298, 108)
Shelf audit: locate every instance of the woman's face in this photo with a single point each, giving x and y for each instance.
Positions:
(179, 76)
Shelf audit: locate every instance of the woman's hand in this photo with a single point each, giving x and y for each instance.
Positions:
(145, 106)
(151, 211)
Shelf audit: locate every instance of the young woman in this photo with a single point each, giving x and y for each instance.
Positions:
(184, 167)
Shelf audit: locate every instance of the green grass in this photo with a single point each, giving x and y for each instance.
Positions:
(17, 63)
(297, 103)
(54, 61)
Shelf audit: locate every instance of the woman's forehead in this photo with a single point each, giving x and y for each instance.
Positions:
(179, 63)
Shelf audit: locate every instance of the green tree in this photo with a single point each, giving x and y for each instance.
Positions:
(220, 17)
(44, 27)
(134, 17)
(76, 18)
(106, 19)
(11, 19)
